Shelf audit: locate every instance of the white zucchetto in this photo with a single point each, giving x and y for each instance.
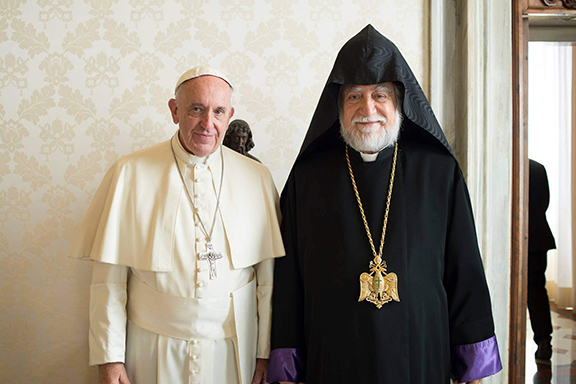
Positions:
(201, 70)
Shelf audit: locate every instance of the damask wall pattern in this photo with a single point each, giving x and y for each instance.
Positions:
(84, 82)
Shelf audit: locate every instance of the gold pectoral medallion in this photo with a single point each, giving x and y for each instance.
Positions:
(378, 287)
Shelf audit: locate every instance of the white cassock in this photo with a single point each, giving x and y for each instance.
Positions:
(153, 304)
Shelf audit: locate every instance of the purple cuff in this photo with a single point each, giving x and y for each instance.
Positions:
(475, 361)
(286, 364)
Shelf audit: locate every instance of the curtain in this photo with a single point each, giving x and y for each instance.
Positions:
(549, 143)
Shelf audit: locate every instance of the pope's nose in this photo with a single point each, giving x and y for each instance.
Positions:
(207, 121)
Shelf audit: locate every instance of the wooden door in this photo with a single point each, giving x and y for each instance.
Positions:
(521, 9)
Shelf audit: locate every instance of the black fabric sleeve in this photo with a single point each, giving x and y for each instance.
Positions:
(470, 311)
(288, 297)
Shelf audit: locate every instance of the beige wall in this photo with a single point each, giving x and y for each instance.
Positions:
(85, 82)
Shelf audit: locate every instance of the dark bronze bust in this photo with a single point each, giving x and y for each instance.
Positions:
(239, 138)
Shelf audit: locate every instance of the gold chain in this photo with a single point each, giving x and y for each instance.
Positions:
(393, 173)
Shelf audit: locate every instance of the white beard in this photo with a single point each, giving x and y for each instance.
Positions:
(373, 139)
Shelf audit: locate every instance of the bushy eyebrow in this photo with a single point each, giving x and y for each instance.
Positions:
(383, 88)
(352, 89)
(377, 88)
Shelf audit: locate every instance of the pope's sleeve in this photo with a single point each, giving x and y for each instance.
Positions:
(107, 337)
(288, 355)
(474, 350)
(264, 279)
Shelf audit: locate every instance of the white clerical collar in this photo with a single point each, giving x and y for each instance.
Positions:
(189, 158)
(369, 157)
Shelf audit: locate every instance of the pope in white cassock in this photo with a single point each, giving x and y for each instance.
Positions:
(183, 235)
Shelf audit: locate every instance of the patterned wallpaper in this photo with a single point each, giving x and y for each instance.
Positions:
(84, 82)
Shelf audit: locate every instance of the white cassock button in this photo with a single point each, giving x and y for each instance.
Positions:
(198, 239)
(196, 196)
(194, 372)
(194, 342)
(195, 357)
(198, 208)
(202, 269)
(201, 284)
(196, 224)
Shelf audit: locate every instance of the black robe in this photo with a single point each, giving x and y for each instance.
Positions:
(430, 245)
(540, 237)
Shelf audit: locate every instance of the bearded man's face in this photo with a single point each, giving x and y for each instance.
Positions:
(369, 117)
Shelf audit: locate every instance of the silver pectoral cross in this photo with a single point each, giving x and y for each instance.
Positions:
(211, 256)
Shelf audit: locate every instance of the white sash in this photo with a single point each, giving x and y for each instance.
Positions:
(200, 319)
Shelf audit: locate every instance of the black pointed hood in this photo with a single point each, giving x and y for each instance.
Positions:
(370, 58)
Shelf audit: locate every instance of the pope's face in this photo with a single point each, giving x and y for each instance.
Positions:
(202, 110)
(367, 110)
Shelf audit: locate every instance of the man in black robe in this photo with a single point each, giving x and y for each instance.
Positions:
(540, 241)
(344, 312)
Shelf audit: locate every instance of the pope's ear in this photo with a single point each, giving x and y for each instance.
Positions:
(173, 110)
(231, 112)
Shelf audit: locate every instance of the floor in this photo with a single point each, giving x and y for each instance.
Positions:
(563, 367)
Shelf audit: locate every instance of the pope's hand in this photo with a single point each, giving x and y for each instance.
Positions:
(112, 373)
(260, 372)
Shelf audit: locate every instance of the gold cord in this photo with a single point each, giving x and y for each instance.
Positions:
(377, 256)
